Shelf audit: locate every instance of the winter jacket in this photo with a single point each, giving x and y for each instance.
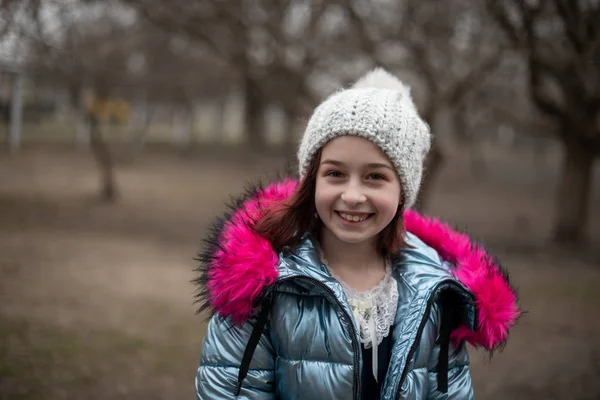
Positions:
(282, 328)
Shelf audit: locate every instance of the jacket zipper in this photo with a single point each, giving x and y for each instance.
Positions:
(422, 324)
(355, 345)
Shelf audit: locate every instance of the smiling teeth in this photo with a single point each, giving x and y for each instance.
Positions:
(353, 218)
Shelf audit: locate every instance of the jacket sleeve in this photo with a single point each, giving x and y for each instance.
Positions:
(220, 360)
(459, 376)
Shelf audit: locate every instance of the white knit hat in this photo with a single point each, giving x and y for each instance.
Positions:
(379, 108)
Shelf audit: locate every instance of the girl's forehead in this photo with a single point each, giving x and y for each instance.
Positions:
(355, 150)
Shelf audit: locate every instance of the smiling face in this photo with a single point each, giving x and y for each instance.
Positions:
(357, 190)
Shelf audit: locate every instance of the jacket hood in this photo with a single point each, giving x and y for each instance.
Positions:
(237, 265)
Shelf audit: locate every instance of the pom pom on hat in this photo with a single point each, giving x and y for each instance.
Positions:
(379, 78)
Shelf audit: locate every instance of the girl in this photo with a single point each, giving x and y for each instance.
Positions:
(332, 288)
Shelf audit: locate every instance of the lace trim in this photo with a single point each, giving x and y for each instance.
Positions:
(374, 309)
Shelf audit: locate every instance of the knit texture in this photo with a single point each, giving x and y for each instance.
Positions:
(379, 108)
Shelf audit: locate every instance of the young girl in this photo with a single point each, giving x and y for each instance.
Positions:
(331, 287)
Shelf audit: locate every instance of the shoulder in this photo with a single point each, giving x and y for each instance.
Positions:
(420, 263)
(428, 274)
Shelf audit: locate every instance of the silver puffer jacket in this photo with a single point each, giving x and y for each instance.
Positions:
(282, 329)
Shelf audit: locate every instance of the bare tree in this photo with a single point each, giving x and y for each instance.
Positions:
(83, 51)
(101, 48)
(272, 45)
(560, 41)
(14, 11)
(280, 48)
(447, 46)
(170, 71)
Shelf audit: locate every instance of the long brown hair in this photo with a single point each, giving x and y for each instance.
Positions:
(284, 223)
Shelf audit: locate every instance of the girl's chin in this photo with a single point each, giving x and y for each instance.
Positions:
(352, 237)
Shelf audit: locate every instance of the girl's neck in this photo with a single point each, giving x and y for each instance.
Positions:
(358, 264)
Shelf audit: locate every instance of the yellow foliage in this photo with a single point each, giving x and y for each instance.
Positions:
(114, 110)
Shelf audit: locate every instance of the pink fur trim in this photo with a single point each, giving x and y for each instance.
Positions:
(496, 301)
(245, 263)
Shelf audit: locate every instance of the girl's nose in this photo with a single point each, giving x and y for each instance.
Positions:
(353, 195)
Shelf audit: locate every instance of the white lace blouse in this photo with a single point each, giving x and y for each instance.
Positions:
(374, 309)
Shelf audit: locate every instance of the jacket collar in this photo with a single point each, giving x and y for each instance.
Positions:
(237, 265)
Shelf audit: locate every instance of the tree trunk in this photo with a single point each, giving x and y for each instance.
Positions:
(140, 133)
(572, 207)
(468, 142)
(218, 127)
(434, 159)
(254, 110)
(104, 160)
(182, 132)
(140, 123)
(433, 162)
(290, 132)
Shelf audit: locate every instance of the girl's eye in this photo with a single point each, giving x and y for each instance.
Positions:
(334, 174)
(376, 177)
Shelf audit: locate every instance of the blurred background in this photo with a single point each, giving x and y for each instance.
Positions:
(126, 126)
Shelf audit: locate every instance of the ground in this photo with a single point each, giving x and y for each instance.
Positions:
(96, 303)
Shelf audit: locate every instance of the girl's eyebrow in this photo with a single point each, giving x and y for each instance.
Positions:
(379, 165)
(370, 165)
(334, 162)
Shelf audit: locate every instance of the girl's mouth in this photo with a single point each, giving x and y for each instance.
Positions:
(355, 218)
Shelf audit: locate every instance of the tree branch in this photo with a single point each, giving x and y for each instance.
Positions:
(464, 85)
(500, 14)
(366, 42)
(570, 14)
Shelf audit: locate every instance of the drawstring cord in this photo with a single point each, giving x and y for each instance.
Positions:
(445, 331)
(375, 343)
(259, 326)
